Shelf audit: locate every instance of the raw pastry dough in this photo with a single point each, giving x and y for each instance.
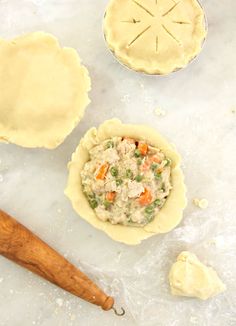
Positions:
(155, 37)
(170, 214)
(43, 90)
(201, 203)
(189, 277)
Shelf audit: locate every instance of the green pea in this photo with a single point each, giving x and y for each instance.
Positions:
(158, 176)
(129, 174)
(93, 203)
(114, 171)
(110, 144)
(119, 182)
(129, 219)
(137, 153)
(150, 217)
(107, 204)
(168, 162)
(139, 178)
(139, 161)
(157, 202)
(154, 166)
(91, 195)
(149, 209)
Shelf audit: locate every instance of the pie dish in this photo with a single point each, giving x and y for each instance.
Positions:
(155, 37)
(44, 91)
(167, 217)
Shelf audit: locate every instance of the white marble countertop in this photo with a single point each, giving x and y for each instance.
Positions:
(199, 102)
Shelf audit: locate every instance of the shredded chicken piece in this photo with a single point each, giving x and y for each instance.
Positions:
(135, 189)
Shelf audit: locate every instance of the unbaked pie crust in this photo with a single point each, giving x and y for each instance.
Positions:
(155, 36)
(170, 214)
(44, 90)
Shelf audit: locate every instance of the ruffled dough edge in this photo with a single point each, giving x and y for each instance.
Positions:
(169, 216)
(28, 141)
(199, 35)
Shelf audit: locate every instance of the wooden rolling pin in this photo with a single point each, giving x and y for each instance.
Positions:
(21, 246)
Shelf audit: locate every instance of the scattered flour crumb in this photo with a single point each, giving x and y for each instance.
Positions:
(201, 203)
(72, 317)
(1, 279)
(125, 98)
(11, 291)
(193, 319)
(118, 256)
(59, 210)
(59, 302)
(212, 242)
(159, 112)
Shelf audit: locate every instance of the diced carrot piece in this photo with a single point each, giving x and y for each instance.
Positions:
(145, 198)
(129, 140)
(143, 148)
(145, 166)
(102, 171)
(155, 158)
(110, 196)
(148, 162)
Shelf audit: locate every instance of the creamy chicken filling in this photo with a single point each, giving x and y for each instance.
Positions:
(126, 181)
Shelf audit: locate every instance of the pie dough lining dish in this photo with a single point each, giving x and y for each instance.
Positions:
(155, 37)
(171, 213)
(44, 90)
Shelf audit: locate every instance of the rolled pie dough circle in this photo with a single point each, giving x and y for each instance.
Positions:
(155, 37)
(44, 90)
(170, 214)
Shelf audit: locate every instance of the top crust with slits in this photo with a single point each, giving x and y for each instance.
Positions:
(155, 36)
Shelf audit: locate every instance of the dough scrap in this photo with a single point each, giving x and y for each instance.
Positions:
(190, 278)
(171, 213)
(155, 37)
(44, 91)
(159, 112)
(201, 203)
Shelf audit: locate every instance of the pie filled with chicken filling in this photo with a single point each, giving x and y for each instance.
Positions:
(126, 181)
